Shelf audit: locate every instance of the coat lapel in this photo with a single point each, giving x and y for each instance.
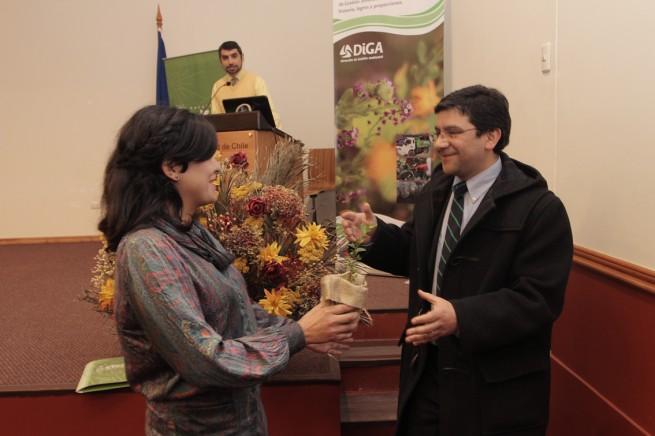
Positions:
(509, 181)
(487, 205)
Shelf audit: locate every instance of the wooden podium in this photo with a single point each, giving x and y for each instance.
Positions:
(246, 132)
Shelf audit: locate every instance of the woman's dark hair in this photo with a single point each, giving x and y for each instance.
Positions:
(135, 190)
(487, 109)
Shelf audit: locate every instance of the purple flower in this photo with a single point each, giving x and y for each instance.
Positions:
(356, 195)
(239, 160)
(360, 91)
(347, 138)
(257, 207)
(274, 273)
(405, 108)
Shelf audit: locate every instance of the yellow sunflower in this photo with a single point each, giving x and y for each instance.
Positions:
(106, 296)
(256, 224)
(292, 296)
(310, 253)
(276, 302)
(312, 234)
(241, 192)
(241, 264)
(271, 253)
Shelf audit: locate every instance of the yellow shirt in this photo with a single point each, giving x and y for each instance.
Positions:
(247, 85)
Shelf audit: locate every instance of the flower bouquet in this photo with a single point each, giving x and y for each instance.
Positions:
(101, 291)
(261, 219)
(287, 261)
(281, 255)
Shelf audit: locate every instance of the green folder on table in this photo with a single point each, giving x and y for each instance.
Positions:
(103, 375)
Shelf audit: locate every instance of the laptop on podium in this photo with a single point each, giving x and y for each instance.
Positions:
(249, 104)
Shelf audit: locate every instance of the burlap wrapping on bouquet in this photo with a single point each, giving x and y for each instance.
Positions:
(338, 289)
(335, 287)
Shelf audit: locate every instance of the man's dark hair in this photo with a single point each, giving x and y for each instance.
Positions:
(487, 109)
(135, 189)
(229, 45)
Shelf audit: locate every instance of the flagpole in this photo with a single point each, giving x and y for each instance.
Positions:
(161, 93)
(159, 19)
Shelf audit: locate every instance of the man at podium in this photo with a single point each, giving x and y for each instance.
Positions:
(237, 82)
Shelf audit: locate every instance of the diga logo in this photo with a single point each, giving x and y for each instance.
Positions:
(365, 48)
(346, 51)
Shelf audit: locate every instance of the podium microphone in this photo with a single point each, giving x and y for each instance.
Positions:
(205, 108)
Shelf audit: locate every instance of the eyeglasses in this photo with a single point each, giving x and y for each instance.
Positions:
(451, 132)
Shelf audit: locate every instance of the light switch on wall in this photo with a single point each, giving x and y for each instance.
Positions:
(545, 57)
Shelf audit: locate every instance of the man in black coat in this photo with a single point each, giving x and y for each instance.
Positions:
(493, 257)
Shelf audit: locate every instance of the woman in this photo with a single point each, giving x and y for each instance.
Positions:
(194, 344)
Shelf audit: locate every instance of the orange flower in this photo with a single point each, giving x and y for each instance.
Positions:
(271, 253)
(276, 302)
(312, 234)
(241, 264)
(310, 253)
(106, 296)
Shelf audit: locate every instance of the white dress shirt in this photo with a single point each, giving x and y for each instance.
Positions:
(477, 187)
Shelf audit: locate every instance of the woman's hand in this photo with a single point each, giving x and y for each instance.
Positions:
(331, 348)
(329, 323)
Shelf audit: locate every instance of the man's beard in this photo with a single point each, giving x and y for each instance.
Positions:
(233, 70)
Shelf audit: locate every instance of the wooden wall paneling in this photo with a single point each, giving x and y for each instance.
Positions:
(603, 353)
(322, 167)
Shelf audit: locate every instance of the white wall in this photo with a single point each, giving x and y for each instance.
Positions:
(606, 125)
(498, 44)
(287, 42)
(587, 125)
(73, 71)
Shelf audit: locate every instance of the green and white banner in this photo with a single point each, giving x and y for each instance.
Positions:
(388, 68)
(190, 79)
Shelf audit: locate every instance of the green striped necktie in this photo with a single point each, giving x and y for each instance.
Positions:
(452, 231)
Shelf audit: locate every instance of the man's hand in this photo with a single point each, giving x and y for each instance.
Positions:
(440, 321)
(354, 223)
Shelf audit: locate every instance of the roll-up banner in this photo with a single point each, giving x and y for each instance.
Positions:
(388, 76)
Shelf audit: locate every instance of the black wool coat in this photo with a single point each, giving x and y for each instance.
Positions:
(506, 279)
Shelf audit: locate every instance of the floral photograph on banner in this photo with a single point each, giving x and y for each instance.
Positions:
(386, 88)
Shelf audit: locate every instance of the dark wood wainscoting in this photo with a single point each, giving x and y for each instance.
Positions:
(603, 350)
